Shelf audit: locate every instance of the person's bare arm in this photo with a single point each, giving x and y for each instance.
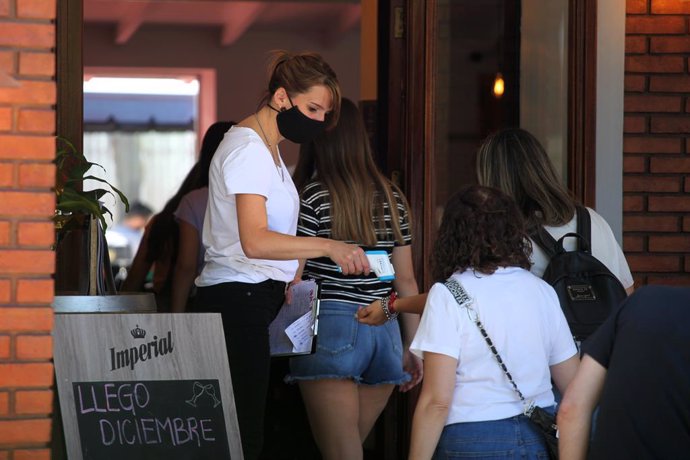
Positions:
(433, 405)
(373, 314)
(138, 271)
(564, 372)
(409, 301)
(258, 242)
(185, 266)
(405, 285)
(575, 411)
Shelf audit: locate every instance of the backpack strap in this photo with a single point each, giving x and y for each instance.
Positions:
(584, 223)
(548, 244)
(544, 240)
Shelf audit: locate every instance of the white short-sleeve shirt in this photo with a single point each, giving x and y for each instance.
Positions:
(524, 320)
(603, 245)
(192, 209)
(243, 165)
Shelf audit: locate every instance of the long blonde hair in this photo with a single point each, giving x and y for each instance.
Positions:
(514, 161)
(341, 159)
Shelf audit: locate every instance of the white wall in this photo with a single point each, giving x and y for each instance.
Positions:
(609, 134)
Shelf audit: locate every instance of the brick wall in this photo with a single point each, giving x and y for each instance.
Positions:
(27, 146)
(656, 168)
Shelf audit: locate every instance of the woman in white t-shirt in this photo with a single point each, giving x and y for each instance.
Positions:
(514, 161)
(251, 221)
(467, 406)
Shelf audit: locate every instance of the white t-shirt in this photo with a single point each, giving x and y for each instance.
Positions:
(603, 245)
(192, 209)
(523, 318)
(243, 165)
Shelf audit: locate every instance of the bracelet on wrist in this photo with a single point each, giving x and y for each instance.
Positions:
(391, 302)
(385, 306)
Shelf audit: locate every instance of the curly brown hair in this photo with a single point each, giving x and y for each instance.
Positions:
(481, 229)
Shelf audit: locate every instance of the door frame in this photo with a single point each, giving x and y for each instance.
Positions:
(406, 92)
(411, 93)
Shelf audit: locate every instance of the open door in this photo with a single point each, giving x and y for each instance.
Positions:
(439, 70)
(438, 62)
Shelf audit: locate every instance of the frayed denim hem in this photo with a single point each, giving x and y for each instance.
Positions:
(358, 380)
(294, 379)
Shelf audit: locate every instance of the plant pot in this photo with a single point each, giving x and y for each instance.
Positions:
(82, 265)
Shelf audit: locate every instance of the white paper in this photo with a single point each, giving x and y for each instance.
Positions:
(302, 294)
(300, 333)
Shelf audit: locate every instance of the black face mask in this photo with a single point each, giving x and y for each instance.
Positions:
(296, 126)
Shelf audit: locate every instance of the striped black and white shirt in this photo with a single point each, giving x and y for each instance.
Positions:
(315, 220)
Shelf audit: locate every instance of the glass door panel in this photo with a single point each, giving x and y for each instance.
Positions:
(544, 76)
(476, 42)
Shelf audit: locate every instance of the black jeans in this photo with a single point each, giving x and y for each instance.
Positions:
(247, 310)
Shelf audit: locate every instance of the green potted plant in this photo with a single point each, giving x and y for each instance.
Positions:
(72, 201)
(82, 263)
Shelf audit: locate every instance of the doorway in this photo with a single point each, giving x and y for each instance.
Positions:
(443, 91)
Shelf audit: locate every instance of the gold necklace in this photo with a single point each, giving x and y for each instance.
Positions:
(279, 167)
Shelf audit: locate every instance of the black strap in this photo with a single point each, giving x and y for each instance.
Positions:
(584, 223)
(547, 242)
(465, 301)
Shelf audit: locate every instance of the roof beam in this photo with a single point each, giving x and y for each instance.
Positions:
(130, 23)
(239, 18)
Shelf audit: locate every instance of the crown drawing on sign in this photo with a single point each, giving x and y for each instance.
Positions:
(138, 333)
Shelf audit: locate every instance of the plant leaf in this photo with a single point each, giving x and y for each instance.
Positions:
(72, 167)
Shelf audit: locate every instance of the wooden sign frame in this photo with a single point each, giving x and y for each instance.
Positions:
(151, 386)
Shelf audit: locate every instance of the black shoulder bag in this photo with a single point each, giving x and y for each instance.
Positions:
(544, 421)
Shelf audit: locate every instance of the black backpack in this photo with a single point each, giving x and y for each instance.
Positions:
(586, 289)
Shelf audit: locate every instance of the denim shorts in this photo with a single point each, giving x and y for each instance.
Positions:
(514, 437)
(346, 349)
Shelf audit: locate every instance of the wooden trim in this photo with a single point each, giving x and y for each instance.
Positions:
(418, 132)
(69, 111)
(391, 55)
(396, 94)
(405, 102)
(582, 74)
(428, 137)
(69, 114)
(69, 72)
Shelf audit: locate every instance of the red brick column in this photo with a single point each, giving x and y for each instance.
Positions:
(656, 169)
(27, 146)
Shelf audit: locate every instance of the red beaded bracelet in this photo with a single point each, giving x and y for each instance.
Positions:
(386, 306)
(391, 302)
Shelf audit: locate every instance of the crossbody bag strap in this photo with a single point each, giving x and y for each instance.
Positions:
(465, 301)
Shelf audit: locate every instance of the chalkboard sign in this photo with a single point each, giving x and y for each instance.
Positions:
(145, 386)
(161, 419)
